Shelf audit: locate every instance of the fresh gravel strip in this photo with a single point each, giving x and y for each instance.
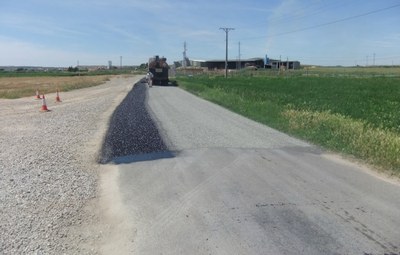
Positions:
(47, 175)
(132, 131)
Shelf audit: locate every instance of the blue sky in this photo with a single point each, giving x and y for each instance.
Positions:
(320, 32)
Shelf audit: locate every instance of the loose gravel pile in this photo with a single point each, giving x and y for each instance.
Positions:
(132, 131)
(46, 174)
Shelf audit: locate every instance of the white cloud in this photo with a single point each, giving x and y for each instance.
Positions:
(387, 41)
(15, 52)
(38, 25)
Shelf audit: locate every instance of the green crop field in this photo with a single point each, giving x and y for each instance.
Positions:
(359, 116)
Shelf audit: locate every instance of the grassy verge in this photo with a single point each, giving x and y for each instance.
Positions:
(357, 116)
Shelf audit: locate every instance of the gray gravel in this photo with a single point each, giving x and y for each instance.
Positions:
(132, 130)
(47, 173)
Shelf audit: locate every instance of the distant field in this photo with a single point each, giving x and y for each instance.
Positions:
(353, 115)
(308, 71)
(16, 87)
(387, 71)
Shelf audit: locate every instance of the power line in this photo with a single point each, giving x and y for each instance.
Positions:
(300, 15)
(329, 23)
(341, 20)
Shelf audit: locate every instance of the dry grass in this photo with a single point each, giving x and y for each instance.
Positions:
(16, 87)
(378, 146)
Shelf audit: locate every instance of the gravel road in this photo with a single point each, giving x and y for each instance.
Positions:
(188, 122)
(233, 186)
(225, 185)
(48, 169)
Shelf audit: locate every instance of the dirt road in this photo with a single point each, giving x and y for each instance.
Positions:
(228, 185)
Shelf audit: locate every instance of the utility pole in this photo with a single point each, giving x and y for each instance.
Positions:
(240, 65)
(184, 55)
(226, 29)
(120, 62)
(373, 62)
(287, 63)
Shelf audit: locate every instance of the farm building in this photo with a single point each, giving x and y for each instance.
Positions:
(235, 64)
(245, 63)
(276, 64)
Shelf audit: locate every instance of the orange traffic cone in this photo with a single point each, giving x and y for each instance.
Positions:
(37, 95)
(58, 100)
(44, 106)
